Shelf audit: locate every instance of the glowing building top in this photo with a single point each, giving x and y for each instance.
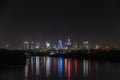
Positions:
(69, 43)
(60, 45)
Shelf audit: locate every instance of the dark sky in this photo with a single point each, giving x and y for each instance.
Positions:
(95, 21)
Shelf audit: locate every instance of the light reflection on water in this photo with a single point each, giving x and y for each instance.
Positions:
(47, 68)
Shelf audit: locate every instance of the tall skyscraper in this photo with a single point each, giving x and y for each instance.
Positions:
(86, 45)
(60, 45)
(69, 44)
(31, 46)
(26, 45)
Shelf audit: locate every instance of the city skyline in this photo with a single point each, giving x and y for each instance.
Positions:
(59, 44)
(95, 21)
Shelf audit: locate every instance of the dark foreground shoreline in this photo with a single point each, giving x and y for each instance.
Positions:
(99, 55)
(17, 57)
(12, 57)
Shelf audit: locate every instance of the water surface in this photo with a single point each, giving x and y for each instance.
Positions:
(48, 68)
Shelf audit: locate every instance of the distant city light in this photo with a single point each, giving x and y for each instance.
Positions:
(47, 44)
(59, 45)
(7, 45)
(97, 46)
(86, 45)
(26, 46)
(26, 42)
(37, 47)
(32, 42)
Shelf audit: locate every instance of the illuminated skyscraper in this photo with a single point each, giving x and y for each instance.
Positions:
(69, 43)
(55, 47)
(60, 45)
(26, 45)
(86, 45)
(97, 47)
(75, 45)
(37, 45)
(31, 46)
(34, 46)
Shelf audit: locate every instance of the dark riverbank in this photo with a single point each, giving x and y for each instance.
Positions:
(95, 55)
(100, 55)
(16, 57)
(12, 57)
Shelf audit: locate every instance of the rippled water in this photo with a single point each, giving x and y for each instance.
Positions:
(48, 68)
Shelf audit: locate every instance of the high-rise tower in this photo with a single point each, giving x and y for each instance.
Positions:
(69, 43)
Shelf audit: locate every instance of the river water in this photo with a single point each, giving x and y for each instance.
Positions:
(49, 68)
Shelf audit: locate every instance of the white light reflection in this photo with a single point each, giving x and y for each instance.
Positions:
(47, 66)
(37, 66)
(31, 59)
(26, 69)
(85, 68)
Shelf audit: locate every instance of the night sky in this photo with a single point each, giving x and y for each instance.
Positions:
(97, 21)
